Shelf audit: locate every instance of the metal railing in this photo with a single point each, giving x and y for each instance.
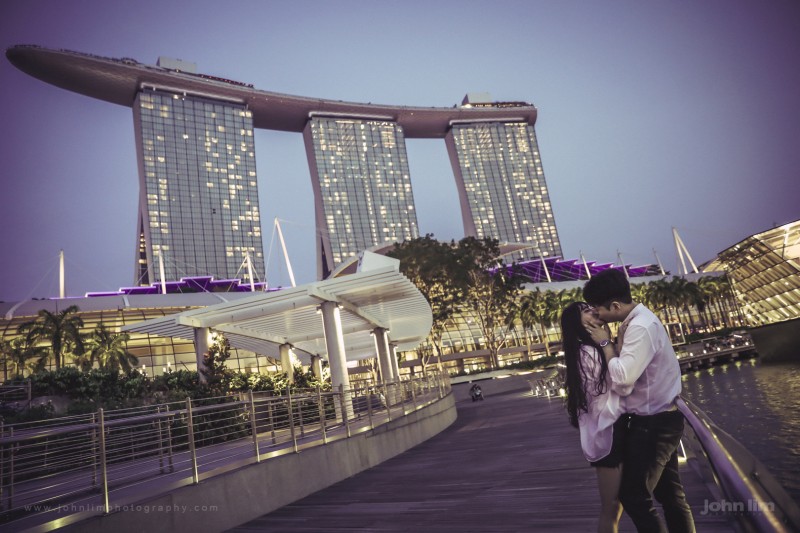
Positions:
(748, 490)
(16, 392)
(98, 461)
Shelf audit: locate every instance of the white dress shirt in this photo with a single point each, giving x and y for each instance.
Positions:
(597, 424)
(648, 363)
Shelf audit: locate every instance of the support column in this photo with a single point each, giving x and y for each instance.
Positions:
(393, 360)
(286, 361)
(316, 366)
(397, 390)
(337, 358)
(383, 352)
(201, 336)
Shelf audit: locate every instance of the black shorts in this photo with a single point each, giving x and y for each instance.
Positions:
(615, 456)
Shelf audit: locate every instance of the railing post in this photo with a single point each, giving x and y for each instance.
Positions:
(343, 403)
(271, 415)
(253, 427)
(300, 416)
(413, 385)
(160, 441)
(169, 441)
(291, 419)
(402, 395)
(103, 465)
(322, 415)
(369, 407)
(94, 450)
(190, 433)
(2, 461)
(11, 451)
(387, 401)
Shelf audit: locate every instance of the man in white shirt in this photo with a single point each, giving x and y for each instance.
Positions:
(643, 358)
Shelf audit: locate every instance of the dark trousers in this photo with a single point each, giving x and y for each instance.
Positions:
(651, 470)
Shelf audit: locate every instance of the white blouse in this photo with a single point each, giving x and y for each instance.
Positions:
(597, 425)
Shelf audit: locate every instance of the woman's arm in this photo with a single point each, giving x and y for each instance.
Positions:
(601, 334)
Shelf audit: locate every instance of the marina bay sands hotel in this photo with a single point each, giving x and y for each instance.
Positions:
(198, 196)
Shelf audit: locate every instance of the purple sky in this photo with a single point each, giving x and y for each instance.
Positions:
(651, 115)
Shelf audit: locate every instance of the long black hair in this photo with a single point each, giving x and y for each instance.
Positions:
(574, 337)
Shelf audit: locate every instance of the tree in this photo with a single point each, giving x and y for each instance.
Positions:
(215, 372)
(430, 265)
(685, 295)
(62, 330)
(641, 293)
(662, 297)
(726, 299)
(491, 290)
(18, 354)
(109, 349)
(543, 309)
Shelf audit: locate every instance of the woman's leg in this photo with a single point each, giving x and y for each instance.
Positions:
(608, 479)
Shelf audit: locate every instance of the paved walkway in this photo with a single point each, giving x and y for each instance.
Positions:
(510, 463)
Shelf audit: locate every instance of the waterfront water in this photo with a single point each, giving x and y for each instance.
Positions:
(759, 405)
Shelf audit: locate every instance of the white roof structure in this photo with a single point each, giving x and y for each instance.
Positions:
(381, 297)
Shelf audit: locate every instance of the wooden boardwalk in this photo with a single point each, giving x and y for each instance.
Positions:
(510, 463)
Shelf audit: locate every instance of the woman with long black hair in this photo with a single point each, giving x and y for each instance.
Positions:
(594, 407)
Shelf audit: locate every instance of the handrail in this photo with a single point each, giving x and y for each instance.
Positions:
(32, 434)
(752, 492)
(85, 461)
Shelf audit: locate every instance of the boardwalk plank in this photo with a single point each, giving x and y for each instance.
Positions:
(510, 463)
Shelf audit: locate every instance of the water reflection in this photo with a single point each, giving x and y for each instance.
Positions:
(759, 404)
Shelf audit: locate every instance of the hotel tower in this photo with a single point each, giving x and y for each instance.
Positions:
(501, 184)
(198, 192)
(198, 202)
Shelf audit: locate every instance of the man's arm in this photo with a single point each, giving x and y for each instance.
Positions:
(637, 352)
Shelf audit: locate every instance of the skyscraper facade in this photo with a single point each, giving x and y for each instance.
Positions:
(198, 203)
(501, 185)
(198, 200)
(362, 187)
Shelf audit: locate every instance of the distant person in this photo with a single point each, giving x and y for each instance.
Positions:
(643, 358)
(594, 408)
(475, 392)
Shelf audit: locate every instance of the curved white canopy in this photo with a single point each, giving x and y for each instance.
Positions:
(262, 322)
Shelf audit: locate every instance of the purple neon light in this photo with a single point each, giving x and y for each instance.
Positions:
(189, 285)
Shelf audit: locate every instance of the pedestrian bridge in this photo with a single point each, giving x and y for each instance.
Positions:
(402, 462)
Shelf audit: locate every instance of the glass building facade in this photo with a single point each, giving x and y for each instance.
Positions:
(362, 188)
(198, 200)
(156, 354)
(764, 271)
(501, 185)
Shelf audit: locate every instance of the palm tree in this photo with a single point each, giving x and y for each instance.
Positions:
(641, 293)
(542, 309)
(18, 353)
(707, 286)
(661, 297)
(686, 294)
(728, 298)
(62, 330)
(109, 349)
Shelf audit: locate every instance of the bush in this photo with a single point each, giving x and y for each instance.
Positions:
(14, 416)
(65, 381)
(88, 391)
